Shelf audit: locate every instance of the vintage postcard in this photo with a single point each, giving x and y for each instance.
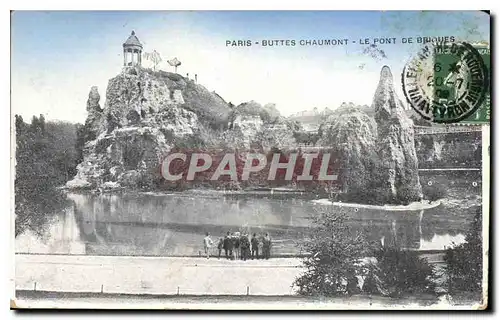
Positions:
(250, 159)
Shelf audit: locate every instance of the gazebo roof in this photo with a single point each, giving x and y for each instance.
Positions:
(132, 41)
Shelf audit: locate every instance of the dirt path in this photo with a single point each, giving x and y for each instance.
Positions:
(155, 275)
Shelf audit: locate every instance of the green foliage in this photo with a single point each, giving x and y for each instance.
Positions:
(434, 192)
(308, 138)
(458, 150)
(81, 139)
(464, 263)
(339, 254)
(210, 108)
(397, 272)
(45, 159)
(335, 250)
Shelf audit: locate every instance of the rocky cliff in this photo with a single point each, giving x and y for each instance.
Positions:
(95, 114)
(148, 113)
(260, 127)
(379, 162)
(395, 144)
(145, 114)
(352, 136)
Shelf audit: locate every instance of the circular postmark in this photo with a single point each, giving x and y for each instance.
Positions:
(445, 82)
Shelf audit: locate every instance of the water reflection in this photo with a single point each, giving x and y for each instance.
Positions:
(174, 224)
(62, 237)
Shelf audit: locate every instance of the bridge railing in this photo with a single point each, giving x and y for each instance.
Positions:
(433, 130)
(447, 129)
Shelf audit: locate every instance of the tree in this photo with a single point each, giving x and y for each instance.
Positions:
(464, 262)
(154, 57)
(45, 159)
(335, 251)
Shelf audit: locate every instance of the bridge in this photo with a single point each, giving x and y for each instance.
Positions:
(448, 169)
(421, 130)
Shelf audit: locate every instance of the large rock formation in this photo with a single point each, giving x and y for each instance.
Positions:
(92, 123)
(378, 159)
(259, 127)
(278, 135)
(395, 145)
(352, 136)
(253, 110)
(144, 116)
(148, 113)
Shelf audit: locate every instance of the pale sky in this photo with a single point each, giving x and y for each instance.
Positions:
(58, 56)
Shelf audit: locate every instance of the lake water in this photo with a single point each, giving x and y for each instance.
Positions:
(174, 224)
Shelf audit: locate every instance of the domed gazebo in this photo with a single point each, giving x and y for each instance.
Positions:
(132, 51)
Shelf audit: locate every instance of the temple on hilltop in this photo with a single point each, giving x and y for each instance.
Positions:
(132, 51)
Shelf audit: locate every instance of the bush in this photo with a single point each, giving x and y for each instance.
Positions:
(335, 251)
(434, 192)
(397, 272)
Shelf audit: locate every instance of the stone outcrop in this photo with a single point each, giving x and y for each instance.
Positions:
(278, 135)
(273, 113)
(145, 115)
(148, 113)
(377, 154)
(250, 110)
(94, 118)
(395, 144)
(243, 131)
(259, 127)
(211, 108)
(128, 157)
(352, 136)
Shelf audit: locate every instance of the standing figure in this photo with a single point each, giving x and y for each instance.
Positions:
(220, 245)
(266, 246)
(261, 246)
(207, 244)
(228, 246)
(244, 246)
(236, 245)
(255, 246)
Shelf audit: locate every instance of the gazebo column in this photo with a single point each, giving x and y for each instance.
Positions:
(132, 49)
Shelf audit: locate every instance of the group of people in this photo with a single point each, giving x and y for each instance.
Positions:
(240, 246)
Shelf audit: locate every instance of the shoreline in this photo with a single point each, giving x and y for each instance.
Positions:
(414, 206)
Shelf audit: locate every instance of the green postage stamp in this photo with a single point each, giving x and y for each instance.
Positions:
(449, 82)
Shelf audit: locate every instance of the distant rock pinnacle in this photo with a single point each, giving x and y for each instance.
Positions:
(396, 146)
